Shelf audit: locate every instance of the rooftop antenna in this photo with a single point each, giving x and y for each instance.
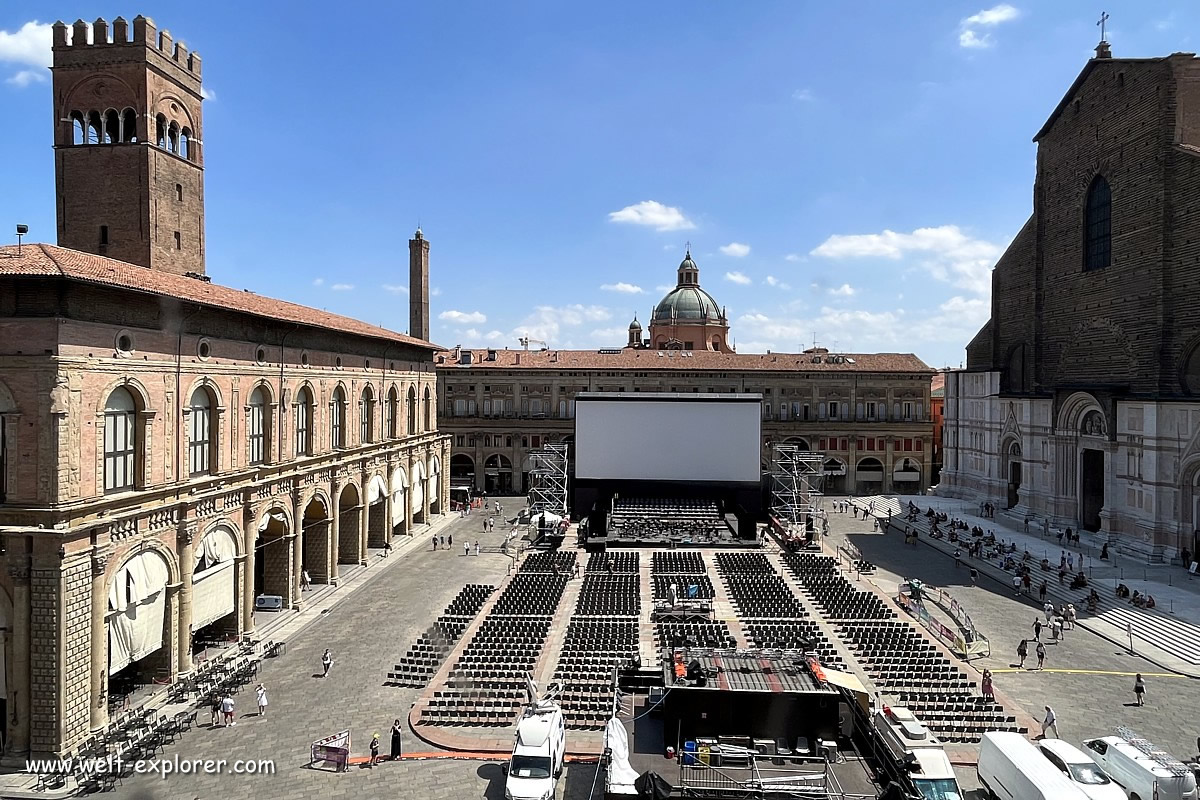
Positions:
(21, 231)
(1102, 23)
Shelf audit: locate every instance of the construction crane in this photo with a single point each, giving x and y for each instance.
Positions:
(525, 340)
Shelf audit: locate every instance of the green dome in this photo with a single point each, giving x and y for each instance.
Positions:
(687, 304)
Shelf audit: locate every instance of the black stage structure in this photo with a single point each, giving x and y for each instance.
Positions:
(687, 447)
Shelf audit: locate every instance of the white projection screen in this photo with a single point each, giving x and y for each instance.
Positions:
(668, 437)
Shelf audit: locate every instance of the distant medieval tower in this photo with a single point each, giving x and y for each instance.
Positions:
(129, 145)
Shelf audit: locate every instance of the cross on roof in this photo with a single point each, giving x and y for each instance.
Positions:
(1101, 23)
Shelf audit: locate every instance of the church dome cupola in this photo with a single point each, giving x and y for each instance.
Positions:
(689, 273)
(687, 302)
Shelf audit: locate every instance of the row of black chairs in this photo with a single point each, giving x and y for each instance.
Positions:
(677, 562)
(687, 587)
(561, 562)
(606, 595)
(694, 633)
(615, 560)
(425, 656)
(794, 635)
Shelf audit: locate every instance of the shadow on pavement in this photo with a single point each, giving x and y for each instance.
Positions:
(494, 775)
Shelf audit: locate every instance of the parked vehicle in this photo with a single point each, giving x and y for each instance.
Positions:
(1081, 770)
(1010, 768)
(540, 748)
(922, 753)
(1141, 769)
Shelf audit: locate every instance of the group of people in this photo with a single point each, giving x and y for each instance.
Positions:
(222, 706)
(397, 745)
(1135, 597)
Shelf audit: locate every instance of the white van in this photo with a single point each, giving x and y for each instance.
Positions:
(914, 745)
(1081, 770)
(537, 756)
(1139, 772)
(1010, 768)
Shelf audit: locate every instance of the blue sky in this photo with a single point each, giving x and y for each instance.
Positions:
(848, 171)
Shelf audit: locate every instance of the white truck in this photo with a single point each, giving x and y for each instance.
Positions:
(922, 753)
(539, 750)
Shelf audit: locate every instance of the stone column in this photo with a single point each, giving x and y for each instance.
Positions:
(185, 544)
(19, 688)
(408, 514)
(364, 516)
(99, 669)
(297, 551)
(334, 531)
(387, 503)
(174, 622)
(248, 580)
(445, 504)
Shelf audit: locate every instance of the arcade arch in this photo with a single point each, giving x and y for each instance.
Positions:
(497, 474)
(137, 615)
(868, 474)
(317, 527)
(272, 557)
(399, 499)
(417, 495)
(434, 489)
(377, 521)
(214, 582)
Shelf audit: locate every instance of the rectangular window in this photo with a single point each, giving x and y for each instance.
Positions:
(795, 410)
(807, 413)
(103, 235)
(918, 445)
(460, 441)
(487, 408)
(302, 425)
(256, 434)
(844, 444)
(535, 441)
(118, 450)
(524, 407)
(178, 241)
(199, 441)
(871, 411)
(862, 443)
(908, 410)
(460, 407)
(833, 410)
(535, 407)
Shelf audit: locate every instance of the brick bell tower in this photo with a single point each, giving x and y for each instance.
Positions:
(129, 145)
(418, 286)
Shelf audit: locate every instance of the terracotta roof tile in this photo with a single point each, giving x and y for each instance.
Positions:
(698, 360)
(44, 260)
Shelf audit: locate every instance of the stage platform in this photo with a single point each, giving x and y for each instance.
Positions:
(724, 540)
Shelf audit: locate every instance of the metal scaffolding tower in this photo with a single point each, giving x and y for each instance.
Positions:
(548, 480)
(796, 476)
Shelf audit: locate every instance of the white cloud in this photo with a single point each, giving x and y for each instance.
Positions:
(968, 35)
(803, 95)
(946, 252)
(664, 288)
(318, 281)
(434, 292)
(622, 288)
(735, 249)
(654, 214)
(845, 290)
(342, 287)
(463, 317)
(547, 322)
(612, 337)
(738, 277)
(394, 288)
(992, 16)
(793, 257)
(772, 281)
(28, 47)
(208, 93)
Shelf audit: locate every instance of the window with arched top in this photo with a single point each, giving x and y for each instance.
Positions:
(304, 422)
(78, 128)
(120, 441)
(185, 141)
(129, 125)
(427, 411)
(366, 415)
(160, 131)
(391, 413)
(1097, 225)
(112, 126)
(200, 433)
(95, 128)
(173, 138)
(411, 410)
(257, 427)
(337, 419)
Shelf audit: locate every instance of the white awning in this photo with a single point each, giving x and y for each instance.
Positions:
(850, 681)
(869, 474)
(136, 595)
(213, 590)
(376, 489)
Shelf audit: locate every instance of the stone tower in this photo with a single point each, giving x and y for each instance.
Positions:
(418, 286)
(129, 145)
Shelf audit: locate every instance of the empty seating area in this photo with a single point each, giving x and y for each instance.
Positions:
(793, 635)
(560, 561)
(687, 587)
(694, 633)
(606, 595)
(592, 648)
(838, 599)
(531, 594)
(677, 562)
(426, 655)
(904, 664)
(744, 563)
(497, 707)
(804, 565)
(620, 561)
(756, 589)
(665, 518)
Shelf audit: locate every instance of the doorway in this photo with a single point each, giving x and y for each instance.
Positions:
(1014, 483)
(1091, 489)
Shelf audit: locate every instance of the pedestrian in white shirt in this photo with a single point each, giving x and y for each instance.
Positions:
(227, 710)
(1050, 723)
(261, 693)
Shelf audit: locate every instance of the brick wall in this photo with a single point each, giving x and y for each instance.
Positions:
(76, 660)
(46, 658)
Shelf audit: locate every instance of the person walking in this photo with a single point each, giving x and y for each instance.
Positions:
(1016, 582)
(957, 557)
(1139, 689)
(397, 741)
(326, 662)
(260, 693)
(435, 543)
(486, 520)
(974, 574)
(1048, 610)
(227, 709)
(305, 581)
(1022, 653)
(374, 750)
(1042, 591)
(1041, 654)
(449, 540)
(1037, 629)
(443, 541)
(476, 547)
(985, 685)
(466, 548)
(216, 709)
(1050, 723)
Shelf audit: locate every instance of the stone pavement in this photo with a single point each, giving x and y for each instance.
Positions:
(1168, 635)
(368, 631)
(1087, 679)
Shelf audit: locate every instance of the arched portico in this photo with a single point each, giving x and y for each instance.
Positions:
(868, 473)
(1082, 429)
(399, 519)
(214, 586)
(834, 475)
(417, 493)
(349, 524)
(273, 556)
(1012, 469)
(140, 640)
(434, 490)
(316, 524)
(377, 522)
(497, 474)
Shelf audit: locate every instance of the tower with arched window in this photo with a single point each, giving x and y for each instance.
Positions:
(128, 144)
